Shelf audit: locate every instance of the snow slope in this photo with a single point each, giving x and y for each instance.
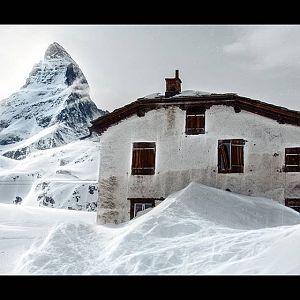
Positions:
(198, 230)
(21, 225)
(61, 177)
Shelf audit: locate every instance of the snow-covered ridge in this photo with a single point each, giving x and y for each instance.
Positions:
(198, 230)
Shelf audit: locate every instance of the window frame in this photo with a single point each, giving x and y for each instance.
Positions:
(134, 201)
(232, 168)
(292, 151)
(140, 146)
(194, 113)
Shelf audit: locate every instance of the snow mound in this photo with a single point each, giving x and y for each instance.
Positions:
(198, 230)
(20, 226)
(228, 209)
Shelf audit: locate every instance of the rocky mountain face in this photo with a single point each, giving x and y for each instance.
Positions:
(53, 108)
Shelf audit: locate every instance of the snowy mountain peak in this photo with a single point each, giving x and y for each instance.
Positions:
(55, 50)
(52, 108)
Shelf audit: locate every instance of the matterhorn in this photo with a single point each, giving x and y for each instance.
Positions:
(53, 108)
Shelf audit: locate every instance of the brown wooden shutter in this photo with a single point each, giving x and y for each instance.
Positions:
(201, 122)
(195, 121)
(231, 161)
(143, 159)
(292, 159)
(223, 158)
(237, 158)
(189, 123)
(137, 159)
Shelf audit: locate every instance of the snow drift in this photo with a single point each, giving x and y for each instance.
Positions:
(198, 230)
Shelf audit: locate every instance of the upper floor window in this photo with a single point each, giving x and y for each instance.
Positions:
(231, 156)
(195, 121)
(292, 159)
(143, 159)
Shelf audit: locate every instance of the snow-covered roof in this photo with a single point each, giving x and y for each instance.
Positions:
(191, 93)
(189, 99)
(186, 93)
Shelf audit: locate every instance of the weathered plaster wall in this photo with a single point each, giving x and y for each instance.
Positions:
(182, 158)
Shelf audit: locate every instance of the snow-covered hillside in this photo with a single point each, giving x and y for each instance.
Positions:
(61, 177)
(52, 108)
(198, 230)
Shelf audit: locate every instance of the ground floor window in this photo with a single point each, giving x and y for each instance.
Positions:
(293, 203)
(139, 204)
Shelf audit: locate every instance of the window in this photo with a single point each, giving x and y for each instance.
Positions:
(195, 121)
(292, 159)
(137, 205)
(293, 203)
(231, 156)
(143, 159)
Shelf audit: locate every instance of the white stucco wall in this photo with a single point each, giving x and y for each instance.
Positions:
(182, 158)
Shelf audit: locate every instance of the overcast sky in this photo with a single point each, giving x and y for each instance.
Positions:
(124, 62)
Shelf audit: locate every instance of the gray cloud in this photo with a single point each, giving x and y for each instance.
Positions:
(122, 63)
(265, 47)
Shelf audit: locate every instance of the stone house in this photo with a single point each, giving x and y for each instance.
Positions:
(158, 144)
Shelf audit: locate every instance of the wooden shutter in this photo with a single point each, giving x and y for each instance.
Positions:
(292, 159)
(223, 158)
(137, 159)
(195, 121)
(231, 156)
(237, 156)
(143, 159)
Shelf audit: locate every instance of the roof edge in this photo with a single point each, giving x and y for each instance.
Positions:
(142, 105)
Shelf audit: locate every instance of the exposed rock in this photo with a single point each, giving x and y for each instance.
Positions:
(54, 103)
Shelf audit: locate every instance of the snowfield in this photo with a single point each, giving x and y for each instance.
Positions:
(198, 230)
(61, 177)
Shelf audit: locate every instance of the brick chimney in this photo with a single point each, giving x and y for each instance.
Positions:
(173, 85)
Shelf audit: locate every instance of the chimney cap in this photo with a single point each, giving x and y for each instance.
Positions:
(176, 77)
